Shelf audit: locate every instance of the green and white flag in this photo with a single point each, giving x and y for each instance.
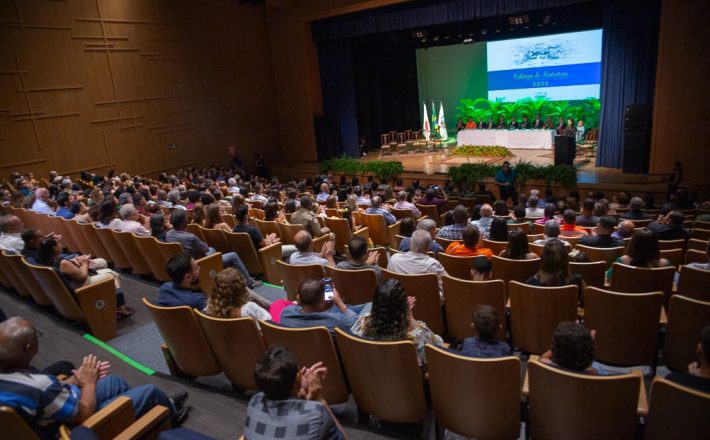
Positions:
(442, 122)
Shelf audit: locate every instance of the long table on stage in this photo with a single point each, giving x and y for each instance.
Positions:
(507, 138)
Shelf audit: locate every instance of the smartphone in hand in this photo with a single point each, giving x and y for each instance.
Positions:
(328, 288)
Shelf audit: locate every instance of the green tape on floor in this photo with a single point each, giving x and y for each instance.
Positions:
(138, 366)
(273, 285)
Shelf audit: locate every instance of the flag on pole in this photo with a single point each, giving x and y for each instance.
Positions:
(426, 128)
(442, 122)
(434, 121)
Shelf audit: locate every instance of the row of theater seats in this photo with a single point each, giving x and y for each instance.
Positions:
(476, 397)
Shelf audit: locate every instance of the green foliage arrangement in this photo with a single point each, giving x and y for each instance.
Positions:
(586, 110)
(382, 169)
(469, 174)
(481, 151)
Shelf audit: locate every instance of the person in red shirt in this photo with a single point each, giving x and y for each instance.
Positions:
(568, 226)
(470, 125)
(470, 247)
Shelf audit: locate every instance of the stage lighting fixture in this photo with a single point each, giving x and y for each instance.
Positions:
(436, 38)
(468, 40)
(484, 31)
(419, 34)
(517, 20)
(546, 19)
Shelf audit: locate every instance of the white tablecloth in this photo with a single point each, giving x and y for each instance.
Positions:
(507, 138)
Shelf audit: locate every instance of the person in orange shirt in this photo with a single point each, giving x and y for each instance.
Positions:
(568, 226)
(470, 247)
(470, 125)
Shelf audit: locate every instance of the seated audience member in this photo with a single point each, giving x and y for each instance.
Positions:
(313, 310)
(601, 208)
(259, 194)
(670, 227)
(500, 208)
(159, 226)
(359, 198)
(360, 258)
(642, 251)
(635, 212)
(498, 230)
(620, 201)
(64, 202)
(107, 215)
(304, 251)
(324, 193)
(391, 319)
(602, 237)
(482, 269)
(32, 239)
(548, 214)
(703, 266)
(306, 218)
(517, 215)
(518, 247)
(484, 223)
(698, 375)
(11, 228)
(533, 210)
(198, 214)
(572, 349)
(554, 269)
(453, 232)
(41, 204)
(568, 226)
(290, 403)
(485, 345)
(552, 233)
(184, 289)
(625, 229)
(213, 219)
(241, 215)
(469, 247)
(197, 248)
(376, 208)
(131, 222)
(403, 203)
(81, 213)
(435, 197)
(46, 401)
(272, 212)
(429, 226)
(416, 261)
(587, 217)
(230, 298)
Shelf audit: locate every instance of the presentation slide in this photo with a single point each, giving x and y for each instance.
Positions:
(562, 67)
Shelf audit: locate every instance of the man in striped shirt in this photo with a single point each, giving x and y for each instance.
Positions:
(45, 401)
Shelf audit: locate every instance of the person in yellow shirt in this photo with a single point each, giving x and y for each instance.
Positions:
(469, 246)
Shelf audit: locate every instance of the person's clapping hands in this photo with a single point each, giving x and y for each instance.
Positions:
(311, 388)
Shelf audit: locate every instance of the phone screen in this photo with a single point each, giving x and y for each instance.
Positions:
(328, 288)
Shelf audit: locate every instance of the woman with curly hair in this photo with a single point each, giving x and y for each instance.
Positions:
(198, 214)
(230, 298)
(391, 319)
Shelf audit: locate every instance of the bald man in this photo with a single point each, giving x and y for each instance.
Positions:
(304, 251)
(40, 205)
(45, 401)
(484, 223)
(11, 228)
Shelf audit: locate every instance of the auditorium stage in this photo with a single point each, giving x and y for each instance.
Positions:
(433, 168)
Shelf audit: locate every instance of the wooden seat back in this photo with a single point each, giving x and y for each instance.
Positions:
(698, 245)
(188, 350)
(14, 426)
(210, 266)
(630, 279)
(341, 228)
(194, 228)
(430, 211)
(495, 246)
(354, 286)
(293, 275)
(384, 377)
(380, 233)
(93, 304)
(525, 227)
(215, 238)
(461, 298)
(22, 280)
(261, 261)
(475, 398)
(267, 227)
(88, 231)
(148, 246)
(674, 256)
(425, 288)
(627, 325)
(311, 345)
(536, 311)
(593, 273)
(686, 319)
(695, 256)
(671, 403)
(127, 242)
(607, 255)
(701, 234)
(401, 214)
(456, 266)
(671, 244)
(570, 405)
(514, 270)
(237, 346)
(118, 257)
(288, 231)
(444, 242)
(694, 283)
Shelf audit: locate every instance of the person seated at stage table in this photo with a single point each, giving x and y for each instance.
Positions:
(468, 246)
(537, 123)
(481, 124)
(501, 123)
(525, 124)
(549, 125)
(514, 125)
(470, 125)
(489, 125)
(569, 228)
(460, 125)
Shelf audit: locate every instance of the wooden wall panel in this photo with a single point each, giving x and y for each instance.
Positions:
(682, 93)
(94, 84)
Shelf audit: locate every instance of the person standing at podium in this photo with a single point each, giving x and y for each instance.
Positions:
(570, 130)
(505, 179)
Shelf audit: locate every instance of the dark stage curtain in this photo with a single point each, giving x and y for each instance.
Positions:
(629, 52)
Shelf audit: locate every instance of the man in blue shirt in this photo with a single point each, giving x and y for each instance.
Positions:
(183, 290)
(45, 401)
(376, 208)
(313, 310)
(505, 179)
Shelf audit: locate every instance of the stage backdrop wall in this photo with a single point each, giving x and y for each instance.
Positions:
(99, 84)
(682, 95)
